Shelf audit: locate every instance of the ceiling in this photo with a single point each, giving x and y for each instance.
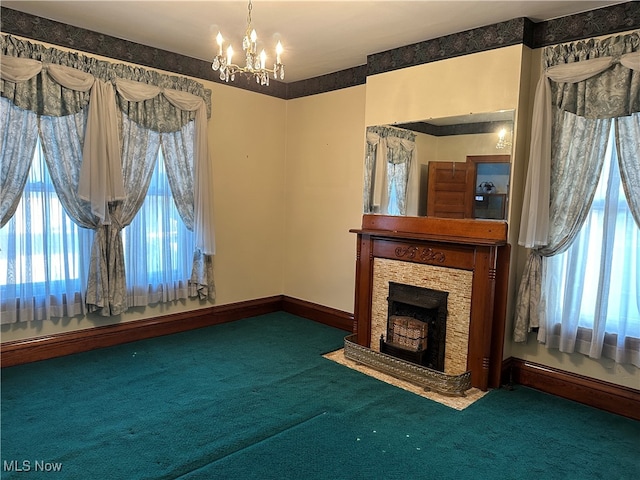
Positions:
(319, 37)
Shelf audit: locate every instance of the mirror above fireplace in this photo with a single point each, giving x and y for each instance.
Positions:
(451, 161)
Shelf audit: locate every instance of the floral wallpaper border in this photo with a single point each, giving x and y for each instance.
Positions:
(604, 21)
(511, 32)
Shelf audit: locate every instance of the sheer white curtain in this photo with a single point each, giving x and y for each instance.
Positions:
(158, 246)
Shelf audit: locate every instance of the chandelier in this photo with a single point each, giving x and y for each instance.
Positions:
(255, 65)
(504, 139)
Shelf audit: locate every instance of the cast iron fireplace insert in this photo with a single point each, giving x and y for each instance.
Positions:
(416, 325)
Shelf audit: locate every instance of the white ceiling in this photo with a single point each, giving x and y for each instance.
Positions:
(319, 37)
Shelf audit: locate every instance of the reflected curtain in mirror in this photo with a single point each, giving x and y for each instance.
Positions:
(391, 172)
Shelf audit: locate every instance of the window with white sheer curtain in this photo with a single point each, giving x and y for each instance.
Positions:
(45, 255)
(592, 288)
(101, 160)
(158, 248)
(581, 205)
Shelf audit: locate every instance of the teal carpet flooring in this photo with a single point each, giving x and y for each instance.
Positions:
(255, 399)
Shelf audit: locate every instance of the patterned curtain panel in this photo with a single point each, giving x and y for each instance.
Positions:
(369, 169)
(628, 143)
(178, 154)
(17, 145)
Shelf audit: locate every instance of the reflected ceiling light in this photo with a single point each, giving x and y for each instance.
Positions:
(504, 139)
(255, 65)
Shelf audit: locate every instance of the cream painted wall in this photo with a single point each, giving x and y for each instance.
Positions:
(248, 137)
(477, 83)
(325, 156)
(456, 148)
(248, 181)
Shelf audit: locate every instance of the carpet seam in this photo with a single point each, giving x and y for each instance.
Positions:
(258, 442)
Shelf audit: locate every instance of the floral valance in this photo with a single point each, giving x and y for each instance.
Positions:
(384, 132)
(609, 65)
(597, 79)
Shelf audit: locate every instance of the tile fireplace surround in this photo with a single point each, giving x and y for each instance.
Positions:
(467, 258)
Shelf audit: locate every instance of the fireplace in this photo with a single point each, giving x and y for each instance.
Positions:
(467, 261)
(416, 325)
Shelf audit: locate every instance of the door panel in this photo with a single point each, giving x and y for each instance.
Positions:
(448, 186)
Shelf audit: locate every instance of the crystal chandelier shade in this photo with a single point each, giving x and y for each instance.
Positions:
(255, 64)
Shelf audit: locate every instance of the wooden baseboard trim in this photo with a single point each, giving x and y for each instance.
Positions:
(319, 313)
(57, 345)
(60, 344)
(589, 391)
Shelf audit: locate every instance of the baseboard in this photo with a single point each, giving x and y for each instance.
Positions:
(589, 391)
(60, 344)
(319, 313)
(57, 345)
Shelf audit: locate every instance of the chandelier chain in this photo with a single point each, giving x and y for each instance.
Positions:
(249, 17)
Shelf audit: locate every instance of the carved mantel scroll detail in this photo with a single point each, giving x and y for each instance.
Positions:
(424, 254)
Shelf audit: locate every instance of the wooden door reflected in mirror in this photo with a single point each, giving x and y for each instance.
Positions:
(477, 188)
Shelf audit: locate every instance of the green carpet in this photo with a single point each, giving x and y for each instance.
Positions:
(255, 399)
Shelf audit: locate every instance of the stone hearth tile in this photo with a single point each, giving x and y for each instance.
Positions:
(458, 403)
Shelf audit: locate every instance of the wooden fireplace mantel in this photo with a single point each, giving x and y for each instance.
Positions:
(479, 246)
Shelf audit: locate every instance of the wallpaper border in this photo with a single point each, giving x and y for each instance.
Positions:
(604, 21)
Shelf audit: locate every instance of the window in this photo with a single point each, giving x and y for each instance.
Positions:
(45, 255)
(44, 261)
(398, 175)
(593, 287)
(158, 248)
